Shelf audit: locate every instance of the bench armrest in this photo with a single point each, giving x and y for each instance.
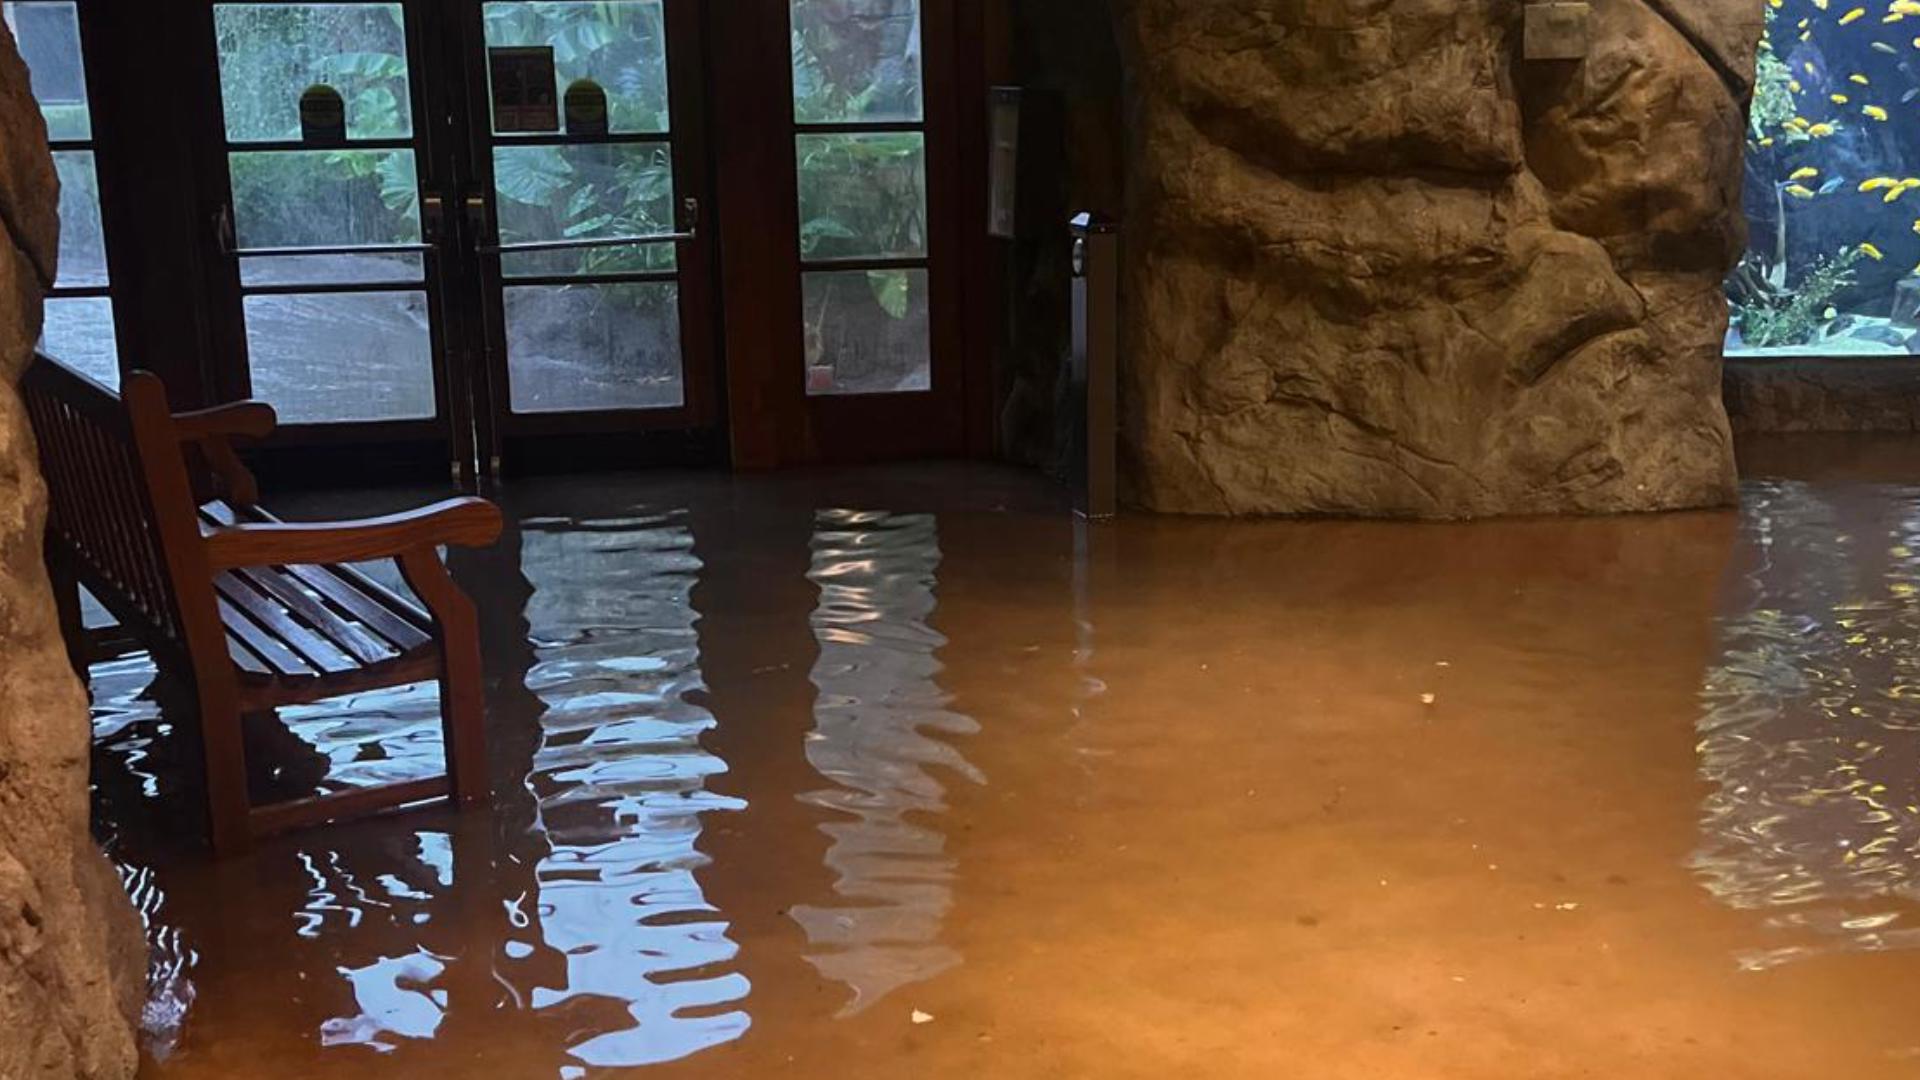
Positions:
(241, 419)
(213, 431)
(466, 522)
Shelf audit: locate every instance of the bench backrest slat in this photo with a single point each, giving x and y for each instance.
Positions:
(100, 510)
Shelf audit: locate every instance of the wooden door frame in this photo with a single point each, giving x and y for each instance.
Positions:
(226, 373)
(772, 420)
(623, 433)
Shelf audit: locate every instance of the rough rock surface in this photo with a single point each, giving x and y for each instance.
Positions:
(1863, 394)
(72, 965)
(1379, 264)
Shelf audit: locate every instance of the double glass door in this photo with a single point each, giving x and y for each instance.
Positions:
(456, 224)
(478, 225)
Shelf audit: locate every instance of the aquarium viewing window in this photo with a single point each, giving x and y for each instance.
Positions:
(1832, 267)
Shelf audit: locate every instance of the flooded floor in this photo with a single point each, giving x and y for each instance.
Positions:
(900, 774)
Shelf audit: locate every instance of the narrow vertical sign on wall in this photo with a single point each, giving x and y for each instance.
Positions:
(1003, 163)
(526, 92)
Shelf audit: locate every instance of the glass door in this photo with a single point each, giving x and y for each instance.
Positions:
(860, 152)
(865, 348)
(592, 262)
(79, 309)
(333, 226)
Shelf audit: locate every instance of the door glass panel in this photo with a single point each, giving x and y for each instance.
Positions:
(301, 198)
(83, 240)
(79, 333)
(585, 192)
(620, 45)
(860, 154)
(354, 351)
(856, 61)
(322, 357)
(270, 54)
(863, 196)
(867, 331)
(49, 39)
(591, 347)
(79, 328)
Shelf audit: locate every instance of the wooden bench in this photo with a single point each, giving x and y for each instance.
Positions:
(156, 515)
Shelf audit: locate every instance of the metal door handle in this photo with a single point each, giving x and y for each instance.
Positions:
(341, 249)
(224, 236)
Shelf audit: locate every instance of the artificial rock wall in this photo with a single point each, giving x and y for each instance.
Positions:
(1379, 264)
(72, 964)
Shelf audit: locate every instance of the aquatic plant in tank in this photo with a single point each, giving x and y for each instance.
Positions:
(1832, 184)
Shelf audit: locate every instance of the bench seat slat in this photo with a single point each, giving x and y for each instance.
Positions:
(247, 660)
(275, 652)
(349, 636)
(315, 648)
(400, 622)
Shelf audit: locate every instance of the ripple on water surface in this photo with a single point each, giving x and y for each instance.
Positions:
(1811, 730)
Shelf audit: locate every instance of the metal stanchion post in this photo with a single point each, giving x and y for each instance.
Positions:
(1096, 364)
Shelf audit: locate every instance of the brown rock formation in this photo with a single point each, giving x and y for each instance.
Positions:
(1379, 264)
(72, 965)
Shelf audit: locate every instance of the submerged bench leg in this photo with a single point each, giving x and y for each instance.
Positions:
(462, 690)
(66, 600)
(222, 742)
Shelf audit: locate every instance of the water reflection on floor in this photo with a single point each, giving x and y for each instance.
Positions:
(898, 773)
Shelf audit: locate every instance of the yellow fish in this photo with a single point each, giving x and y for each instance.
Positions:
(1894, 18)
(1775, 3)
(1839, 99)
(1875, 111)
(1768, 141)
(1807, 173)
(1861, 79)
(1916, 226)
(1821, 4)
(1799, 191)
(1853, 16)
(1804, 22)
(1806, 35)
(1809, 64)
(1878, 183)
(1904, 7)
(1894, 193)
(1821, 130)
(1793, 85)
(1872, 252)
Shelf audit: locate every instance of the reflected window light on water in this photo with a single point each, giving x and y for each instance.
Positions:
(621, 783)
(881, 730)
(1809, 732)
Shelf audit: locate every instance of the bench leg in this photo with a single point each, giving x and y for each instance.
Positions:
(229, 810)
(462, 689)
(66, 600)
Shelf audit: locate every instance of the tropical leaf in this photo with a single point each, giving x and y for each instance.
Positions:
(362, 65)
(820, 229)
(892, 289)
(592, 224)
(531, 175)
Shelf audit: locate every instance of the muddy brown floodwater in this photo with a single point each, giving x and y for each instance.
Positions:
(900, 774)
